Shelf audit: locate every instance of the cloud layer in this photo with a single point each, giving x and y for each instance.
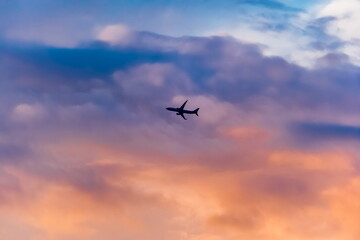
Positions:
(88, 151)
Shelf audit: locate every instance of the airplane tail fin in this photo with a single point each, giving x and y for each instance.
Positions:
(196, 111)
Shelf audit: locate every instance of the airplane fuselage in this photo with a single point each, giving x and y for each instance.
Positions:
(178, 110)
(181, 111)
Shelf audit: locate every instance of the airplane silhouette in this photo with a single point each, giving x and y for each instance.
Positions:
(180, 111)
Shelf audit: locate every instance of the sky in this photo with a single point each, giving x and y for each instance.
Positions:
(88, 151)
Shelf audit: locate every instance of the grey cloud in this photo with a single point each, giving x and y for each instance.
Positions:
(223, 67)
(330, 131)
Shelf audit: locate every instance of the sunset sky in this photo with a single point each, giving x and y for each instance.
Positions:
(88, 151)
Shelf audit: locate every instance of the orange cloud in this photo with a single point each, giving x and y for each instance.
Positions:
(247, 133)
(330, 160)
(107, 192)
(344, 208)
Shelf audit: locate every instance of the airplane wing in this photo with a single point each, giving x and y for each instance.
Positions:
(182, 106)
(181, 114)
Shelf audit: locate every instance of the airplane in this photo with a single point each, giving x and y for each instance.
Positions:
(180, 111)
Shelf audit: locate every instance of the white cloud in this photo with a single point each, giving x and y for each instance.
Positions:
(347, 14)
(294, 42)
(291, 44)
(24, 112)
(345, 25)
(117, 34)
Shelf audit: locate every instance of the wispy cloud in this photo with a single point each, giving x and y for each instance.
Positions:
(328, 131)
(270, 4)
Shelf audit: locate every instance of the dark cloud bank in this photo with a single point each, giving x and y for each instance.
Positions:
(222, 67)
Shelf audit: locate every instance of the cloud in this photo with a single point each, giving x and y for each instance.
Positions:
(341, 202)
(93, 145)
(328, 130)
(322, 40)
(298, 36)
(270, 4)
(116, 34)
(85, 139)
(344, 14)
(26, 112)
